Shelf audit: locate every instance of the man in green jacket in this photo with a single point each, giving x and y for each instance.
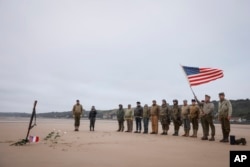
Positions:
(176, 117)
(225, 112)
(120, 118)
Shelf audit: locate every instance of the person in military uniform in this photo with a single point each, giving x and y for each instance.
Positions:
(92, 117)
(77, 113)
(129, 115)
(120, 118)
(164, 117)
(225, 112)
(194, 117)
(154, 114)
(145, 117)
(202, 117)
(208, 113)
(138, 117)
(185, 118)
(176, 117)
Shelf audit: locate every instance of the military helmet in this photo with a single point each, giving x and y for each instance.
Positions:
(175, 100)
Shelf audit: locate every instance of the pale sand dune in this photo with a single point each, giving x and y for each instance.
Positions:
(106, 147)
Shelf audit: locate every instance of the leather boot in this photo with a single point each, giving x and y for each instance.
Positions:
(222, 140)
(195, 133)
(192, 134)
(226, 137)
(184, 135)
(175, 133)
(212, 139)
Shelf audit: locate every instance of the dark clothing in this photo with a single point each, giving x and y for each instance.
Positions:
(145, 123)
(138, 123)
(138, 112)
(120, 125)
(225, 126)
(176, 116)
(92, 117)
(120, 118)
(77, 120)
(195, 123)
(208, 122)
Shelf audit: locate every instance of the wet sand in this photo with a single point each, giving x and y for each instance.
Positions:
(106, 147)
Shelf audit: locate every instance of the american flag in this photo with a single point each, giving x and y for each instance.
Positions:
(197, 76)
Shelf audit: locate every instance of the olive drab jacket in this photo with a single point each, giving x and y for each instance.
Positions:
(154, 110)
(225, 109)
(165, 113)
(176, 113)
(146, 112)
(194, 112)
(120, 114)
(77, 109)
(185, 110)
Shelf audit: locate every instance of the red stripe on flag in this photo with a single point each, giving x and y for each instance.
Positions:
(206, 75)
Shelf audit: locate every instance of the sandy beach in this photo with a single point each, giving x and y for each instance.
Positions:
(106, 147)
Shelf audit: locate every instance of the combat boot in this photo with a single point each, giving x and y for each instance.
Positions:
(192, 134)
(243, 141)
(222, 140)
(184, 135)
(175, 133)
(212, 139)
(187, 135)
(195, 133)
(232, 140)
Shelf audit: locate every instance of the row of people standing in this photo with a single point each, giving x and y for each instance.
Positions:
(185, 114)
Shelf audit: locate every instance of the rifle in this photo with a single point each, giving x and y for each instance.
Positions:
(33, 115)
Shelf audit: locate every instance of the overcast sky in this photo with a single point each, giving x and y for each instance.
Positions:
(110, 52)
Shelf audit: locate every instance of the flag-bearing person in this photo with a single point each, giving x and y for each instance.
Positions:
(225, 112)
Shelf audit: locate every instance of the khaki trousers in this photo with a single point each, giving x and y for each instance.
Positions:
(154, 120)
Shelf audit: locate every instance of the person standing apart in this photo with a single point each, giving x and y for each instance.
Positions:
(164, 117)
(194, 117)
(225, 113)
(77, 113)
(145, 117)
(120, 118)
(176, 116)
(129, 113)
(138, 117)
(154, 114)
(208, 109)
(92, 117)
(185, 111)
